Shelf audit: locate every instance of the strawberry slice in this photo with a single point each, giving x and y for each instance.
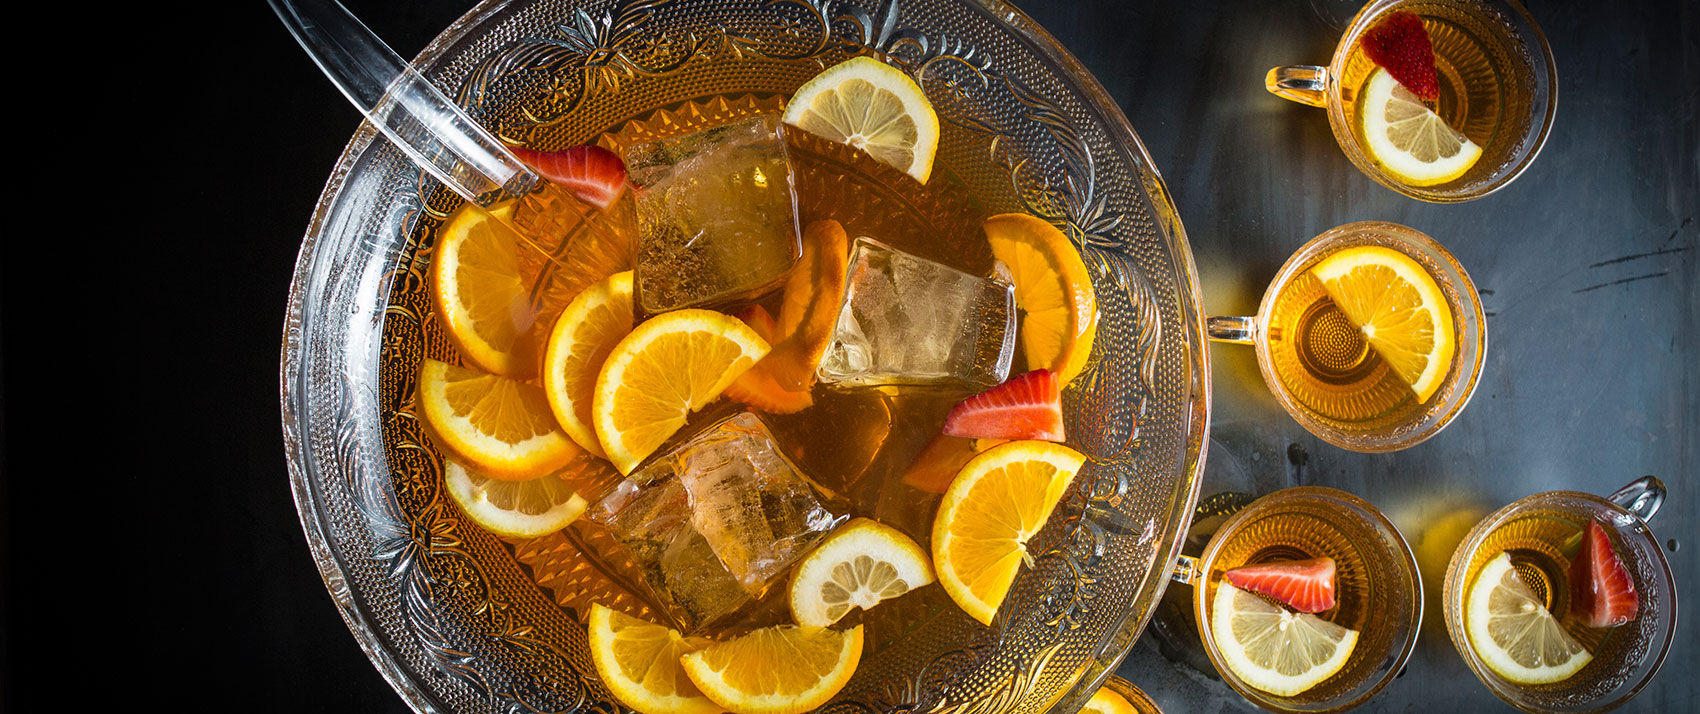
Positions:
(1305, 585)
(1025, 407)
(1400, 45)
(595, 175)
(1601, 592)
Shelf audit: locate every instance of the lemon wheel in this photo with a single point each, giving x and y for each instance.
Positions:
(1512, 632)
(1273, 649)
(1407, 139)
(874, 107)
(1400, 309)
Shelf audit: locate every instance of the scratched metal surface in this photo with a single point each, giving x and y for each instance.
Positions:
(1586, 266)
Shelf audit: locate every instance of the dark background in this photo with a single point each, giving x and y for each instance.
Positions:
(151, 546)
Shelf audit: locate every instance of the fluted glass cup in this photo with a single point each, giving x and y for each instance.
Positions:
(1542, 532)
(1322, 370)
(1498, 86)
(1378, 589)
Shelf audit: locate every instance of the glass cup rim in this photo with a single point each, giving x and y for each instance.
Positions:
(1453, 589)
(1402, 555)
(1540, 56)
(1467, 315)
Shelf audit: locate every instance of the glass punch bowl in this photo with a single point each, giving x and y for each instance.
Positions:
(459, 620)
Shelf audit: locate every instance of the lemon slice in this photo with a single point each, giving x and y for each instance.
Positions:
(1408, 140)
(1512, 632)
(1273, 649)
(669, 366)
(499, 426)
(776, 670)
(1001, 498)
(639, 662)
(584, 334)
(874, 107)
(1060, 319)
(1399, 308)
(859, 565)
(520, 509)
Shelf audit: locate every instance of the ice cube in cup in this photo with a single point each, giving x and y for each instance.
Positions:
(716, 522)
(717, 213)
(909, 320)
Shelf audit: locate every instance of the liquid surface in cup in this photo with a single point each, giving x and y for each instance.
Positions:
(1329, 368)
(1486, 87)
(1374, 592)
(1541, 545)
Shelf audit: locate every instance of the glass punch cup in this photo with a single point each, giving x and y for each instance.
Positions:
(1371, 336)
(1459, 132)
(1563, 601)
(1307, 600)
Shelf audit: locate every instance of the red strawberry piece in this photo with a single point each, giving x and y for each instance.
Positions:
(1400, 45)
(1305, 585)
(595, 175)
(1601, 592)
(1025, 407)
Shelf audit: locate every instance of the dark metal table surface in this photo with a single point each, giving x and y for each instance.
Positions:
(1586, 267)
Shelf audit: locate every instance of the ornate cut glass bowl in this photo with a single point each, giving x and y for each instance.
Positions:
(459, 620)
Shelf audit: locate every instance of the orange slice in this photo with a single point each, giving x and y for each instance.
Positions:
(666, 368)
(814, 291)
(498, 426)
(943, 458)
(1053, 289)
(639, 662)
(776, 670)
(1000, 500)
(584, 334)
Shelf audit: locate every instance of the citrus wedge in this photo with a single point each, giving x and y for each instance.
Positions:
(937, 465)
(1512, 632)
(1399, 308)
(776, 670)
(859, 565)
(669, 366)
(639, 662)
(1273, 649)
(874, 107)
(1001, 498)
(1407, 139)
(1053, 289)
(584, 334)
(498, 426)
(478, 290)
(519, 509)
(814, 290)
(1107, 701)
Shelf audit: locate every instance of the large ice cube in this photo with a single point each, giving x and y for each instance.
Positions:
(717, 214)
(715, 522)
(909, 320)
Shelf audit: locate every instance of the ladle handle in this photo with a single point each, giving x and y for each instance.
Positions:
(411, 112)
(1642, 497)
